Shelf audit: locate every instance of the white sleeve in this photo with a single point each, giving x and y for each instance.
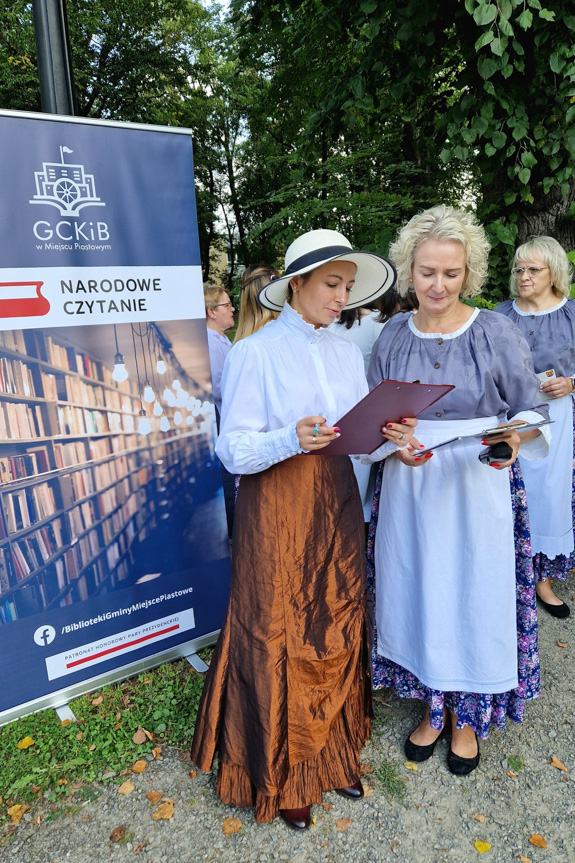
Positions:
(243, 445)
(539, 446)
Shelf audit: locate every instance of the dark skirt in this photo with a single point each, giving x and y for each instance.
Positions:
(287, 699)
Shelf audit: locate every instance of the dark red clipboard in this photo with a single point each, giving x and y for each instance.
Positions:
(389, 402)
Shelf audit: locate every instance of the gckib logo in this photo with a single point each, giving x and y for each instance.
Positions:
(65, 186)
(44, 636)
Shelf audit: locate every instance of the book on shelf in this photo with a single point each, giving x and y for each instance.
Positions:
(7, 578)
(16, 378)
(69, 454)
(13, 340)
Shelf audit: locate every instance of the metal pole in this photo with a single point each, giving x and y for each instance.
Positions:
(54, 57)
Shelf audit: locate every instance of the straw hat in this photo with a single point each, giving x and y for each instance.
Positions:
(374, 275)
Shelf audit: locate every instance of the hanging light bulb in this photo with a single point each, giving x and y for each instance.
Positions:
(189, 420)
(158, 409)
(161, 366)
(170, 398)
(119, 374)
(144, 426)
(178, 418)
(176, 384)
(181, 398)
(165, 424)
(191, 403)
(148, 392)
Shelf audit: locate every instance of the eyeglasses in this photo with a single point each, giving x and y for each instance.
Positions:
(224, 305)
(531, 271)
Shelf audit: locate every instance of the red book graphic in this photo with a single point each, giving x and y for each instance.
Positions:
(22, 300)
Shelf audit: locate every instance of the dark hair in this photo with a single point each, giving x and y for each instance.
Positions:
(392, 302)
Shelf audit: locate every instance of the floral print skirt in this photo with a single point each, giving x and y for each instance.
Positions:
(476, 710)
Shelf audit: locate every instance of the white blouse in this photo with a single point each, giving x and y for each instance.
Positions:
(286, 371)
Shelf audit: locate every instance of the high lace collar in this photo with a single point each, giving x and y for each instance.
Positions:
(296, 324)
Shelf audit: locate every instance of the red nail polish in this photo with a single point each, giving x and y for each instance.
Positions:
(335, 429)
(429, 454)
(421, 446)
(495, 464)
(417, 459)
(404, 421)
(389, 425)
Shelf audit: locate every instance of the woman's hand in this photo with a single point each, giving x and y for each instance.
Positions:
(400, 433)
(410, 454)
(313, 433)
(513, 439)
(556, 388)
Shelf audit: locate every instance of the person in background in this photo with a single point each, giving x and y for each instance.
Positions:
(453, 628)
(287, 700)
(539, 285)
(219, 318)
(254, 316)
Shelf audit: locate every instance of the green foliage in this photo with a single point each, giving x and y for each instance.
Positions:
(390, 782)
(515, 763)
(64, 756)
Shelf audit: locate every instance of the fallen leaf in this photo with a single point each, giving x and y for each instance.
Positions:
(343, 824)
(366, 769)
(524, 859)
(512, 774)
(117, 726)
(561, 643)
(395, 845)
(139, 847)
(117, 833)
(118, 716)
(139, 737)
(80, 735)
(479, 817)
(92, 747)
(156, 752)
(327, 806)
(66, 722)
(313, 821)
(192, 774)
(164, 812)
(558, 764)
(538, 840)
(323, 844)
(16, 812)
(410, 765)
(86, 819)
(25, 743)
(481, 847)
(367, 790)
(35, 789)
(140, 767)
(231, 825)
(62, 781)
(148, 734)
(97, 701)
(154, 796)
(126, 787)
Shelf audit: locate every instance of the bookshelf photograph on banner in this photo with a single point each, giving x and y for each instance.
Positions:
(98, 491)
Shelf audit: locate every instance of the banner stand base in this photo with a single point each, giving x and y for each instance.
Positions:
(197, 662)
(64, 712)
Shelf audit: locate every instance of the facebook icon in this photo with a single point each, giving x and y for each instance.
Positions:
(44, 635)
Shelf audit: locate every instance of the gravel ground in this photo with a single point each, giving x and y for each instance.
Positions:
(441, 818)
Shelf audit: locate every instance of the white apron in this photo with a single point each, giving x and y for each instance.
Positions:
(445, 567)
(549, 486)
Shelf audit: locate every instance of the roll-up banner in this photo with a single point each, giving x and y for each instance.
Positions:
(113, 539)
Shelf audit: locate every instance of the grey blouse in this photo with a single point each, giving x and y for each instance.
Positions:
(550, 335)
(487, 360)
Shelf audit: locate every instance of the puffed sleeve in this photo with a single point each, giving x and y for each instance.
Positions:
(245, 444)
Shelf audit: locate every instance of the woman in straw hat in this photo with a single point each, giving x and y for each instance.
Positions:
(287, 701)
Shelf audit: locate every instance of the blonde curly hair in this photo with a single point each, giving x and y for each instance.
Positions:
(445, 224)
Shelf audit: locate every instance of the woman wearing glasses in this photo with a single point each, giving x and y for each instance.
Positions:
(539, 285)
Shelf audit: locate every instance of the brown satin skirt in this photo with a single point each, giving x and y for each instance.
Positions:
(287, 699)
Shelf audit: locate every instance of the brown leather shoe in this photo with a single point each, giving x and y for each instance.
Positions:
(354, 792)
(298, 818)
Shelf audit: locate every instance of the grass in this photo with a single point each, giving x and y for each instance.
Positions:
(390, 782)
(65, 757)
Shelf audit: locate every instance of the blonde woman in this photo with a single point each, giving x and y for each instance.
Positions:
(253, 316)
(539, 285)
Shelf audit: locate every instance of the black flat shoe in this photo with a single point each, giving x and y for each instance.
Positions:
(353, 792)
(560, 611)
(421, 753)
(460, 766)
(300, 819)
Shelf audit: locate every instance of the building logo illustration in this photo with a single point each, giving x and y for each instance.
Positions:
(65, 186)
